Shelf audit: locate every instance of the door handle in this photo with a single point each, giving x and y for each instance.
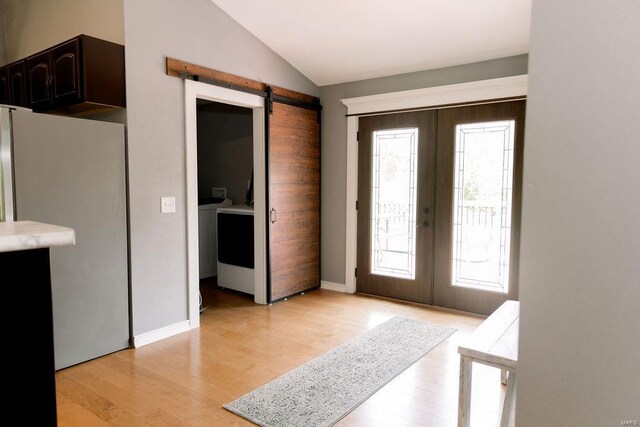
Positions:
(424, 223)
(273, 215)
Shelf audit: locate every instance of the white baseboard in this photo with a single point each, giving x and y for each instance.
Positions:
(160, 334)
(332, 286)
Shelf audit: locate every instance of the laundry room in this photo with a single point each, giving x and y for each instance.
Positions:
(225, 200)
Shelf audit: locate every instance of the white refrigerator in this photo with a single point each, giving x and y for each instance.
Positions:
(71, 172)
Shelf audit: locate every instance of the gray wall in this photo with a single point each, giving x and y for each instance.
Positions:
(334, 140)
(196, 31)
(3, 35)
(71, 172)
(580, 269)
(225, 152)
(33, 25)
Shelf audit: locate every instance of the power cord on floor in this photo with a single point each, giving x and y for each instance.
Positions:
(200, 300)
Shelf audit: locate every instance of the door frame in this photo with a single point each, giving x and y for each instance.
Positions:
(481, 91)
(193, 91)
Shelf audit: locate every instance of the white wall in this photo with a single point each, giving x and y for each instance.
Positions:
(199, 32)
(34, 25)
(334, 141)
(580, 259)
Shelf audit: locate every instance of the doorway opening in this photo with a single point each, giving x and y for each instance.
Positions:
(225, 199)
(226, 206)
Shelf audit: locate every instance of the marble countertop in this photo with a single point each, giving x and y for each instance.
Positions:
(23, 235)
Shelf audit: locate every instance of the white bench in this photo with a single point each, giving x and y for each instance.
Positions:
(493, 343)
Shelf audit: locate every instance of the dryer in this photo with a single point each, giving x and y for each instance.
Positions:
(236, 248)
(207, 207)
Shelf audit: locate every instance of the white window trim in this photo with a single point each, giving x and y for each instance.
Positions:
(470, 92)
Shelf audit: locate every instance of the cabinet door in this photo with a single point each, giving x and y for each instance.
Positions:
(4, 85)
(38, 81)
(18, 84)
(65, 63)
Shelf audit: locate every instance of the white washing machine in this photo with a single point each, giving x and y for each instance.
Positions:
(207, 208)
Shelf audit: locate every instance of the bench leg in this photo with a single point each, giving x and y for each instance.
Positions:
(509, 400)
(503, 376)
(464, 392)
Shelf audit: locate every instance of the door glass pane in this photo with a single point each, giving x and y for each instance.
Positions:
(393, 202)
(483, 187)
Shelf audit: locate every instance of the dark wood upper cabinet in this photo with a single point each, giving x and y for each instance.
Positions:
(65, 71)
(81, 76)
(18, 84)
(13, 84)
(39, 80)
(4, 85)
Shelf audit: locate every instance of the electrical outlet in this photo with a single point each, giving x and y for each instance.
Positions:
(220, 192)
(167, 204)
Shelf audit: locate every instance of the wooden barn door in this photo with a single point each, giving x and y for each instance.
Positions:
(293, 200)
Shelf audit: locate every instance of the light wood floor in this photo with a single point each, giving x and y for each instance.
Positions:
(185, 380)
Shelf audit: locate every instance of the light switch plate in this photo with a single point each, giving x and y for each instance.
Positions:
(167, 204)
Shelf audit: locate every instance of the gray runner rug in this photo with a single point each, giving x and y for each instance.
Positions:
(324, 390)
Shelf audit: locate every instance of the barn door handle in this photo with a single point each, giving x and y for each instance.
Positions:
(273, 215)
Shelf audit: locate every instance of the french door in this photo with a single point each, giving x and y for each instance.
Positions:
(439, 195)
(396, 182)
(477, 242)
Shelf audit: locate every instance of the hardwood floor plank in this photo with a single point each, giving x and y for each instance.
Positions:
(185, 379)
(70, 413)
(96, 403)
(122, 393)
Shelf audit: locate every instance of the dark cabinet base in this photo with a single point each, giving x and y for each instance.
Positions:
(26, 279)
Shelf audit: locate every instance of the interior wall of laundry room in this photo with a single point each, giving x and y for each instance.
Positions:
(225, 152)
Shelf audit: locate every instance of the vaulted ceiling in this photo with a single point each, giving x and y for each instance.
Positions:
(334, 41)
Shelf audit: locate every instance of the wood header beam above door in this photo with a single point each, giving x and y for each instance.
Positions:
(182, 69)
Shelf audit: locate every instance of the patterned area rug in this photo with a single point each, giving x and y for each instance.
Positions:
(324, 390)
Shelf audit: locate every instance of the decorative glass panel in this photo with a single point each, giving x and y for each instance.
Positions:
(483, 188)
(393, 203)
